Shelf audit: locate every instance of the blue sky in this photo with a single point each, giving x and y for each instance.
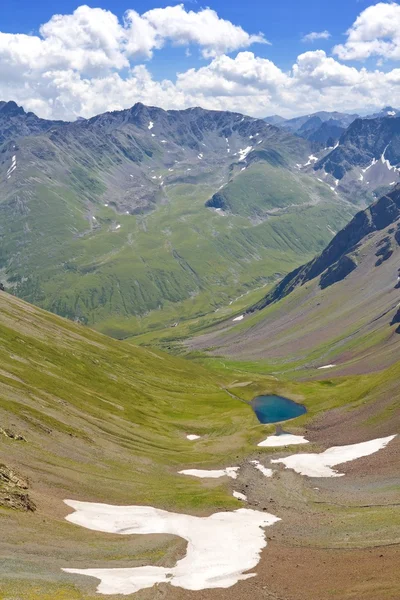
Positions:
(90, 60)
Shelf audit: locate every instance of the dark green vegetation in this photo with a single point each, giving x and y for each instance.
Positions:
(105, 220)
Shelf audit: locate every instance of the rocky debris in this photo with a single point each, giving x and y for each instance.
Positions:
(13, 490)
(397, 234)
(395, 320)
(343, 267)
(12, 435)
(385, 250)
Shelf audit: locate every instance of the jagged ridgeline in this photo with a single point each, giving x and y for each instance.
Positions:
(110, 219)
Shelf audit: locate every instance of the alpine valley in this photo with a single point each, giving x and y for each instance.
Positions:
(199, 356)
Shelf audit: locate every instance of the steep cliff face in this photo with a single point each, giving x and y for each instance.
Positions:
(339, 258)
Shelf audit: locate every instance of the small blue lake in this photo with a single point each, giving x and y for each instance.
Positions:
(272, 409)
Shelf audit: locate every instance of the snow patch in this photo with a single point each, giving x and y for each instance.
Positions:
(221, 548)
(266, 472)
(243, 152)
(327, 367)
(374, 161)
(192, 437)
(240, 496)
(311, 159)
(13, 166)
(284, 439)
(319, 465)
(151, 125)
(239, 318)
(212, 474)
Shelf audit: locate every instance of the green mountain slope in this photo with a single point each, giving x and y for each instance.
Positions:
(105, 220)
(340, 308)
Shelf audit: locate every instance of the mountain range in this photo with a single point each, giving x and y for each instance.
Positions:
(109, 219)
(324, 128)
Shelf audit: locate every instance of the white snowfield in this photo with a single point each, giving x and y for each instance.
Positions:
(212, 474)
(264, 470)
(221, 547)
(284, 439)
(319, 465)
(239, 318)
(192, 437)
(240, 496)
(327, 367)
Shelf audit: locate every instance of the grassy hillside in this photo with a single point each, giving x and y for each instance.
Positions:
(105, 421)
(182, 257)
(262, 189)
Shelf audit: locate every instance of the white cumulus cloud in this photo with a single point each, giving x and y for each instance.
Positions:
(316, 35)
(376, 32)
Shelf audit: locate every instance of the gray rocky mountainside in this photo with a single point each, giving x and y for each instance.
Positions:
(321, 128)
(366, 141)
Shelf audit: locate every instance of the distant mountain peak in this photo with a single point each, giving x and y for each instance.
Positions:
(11, 108)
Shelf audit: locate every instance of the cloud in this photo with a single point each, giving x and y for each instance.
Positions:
(92, 40)
(89, 62)
(316, 35)
(203, 28)
(318, 70)
(375, 32)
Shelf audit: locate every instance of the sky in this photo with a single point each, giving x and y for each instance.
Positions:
(66, 59)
